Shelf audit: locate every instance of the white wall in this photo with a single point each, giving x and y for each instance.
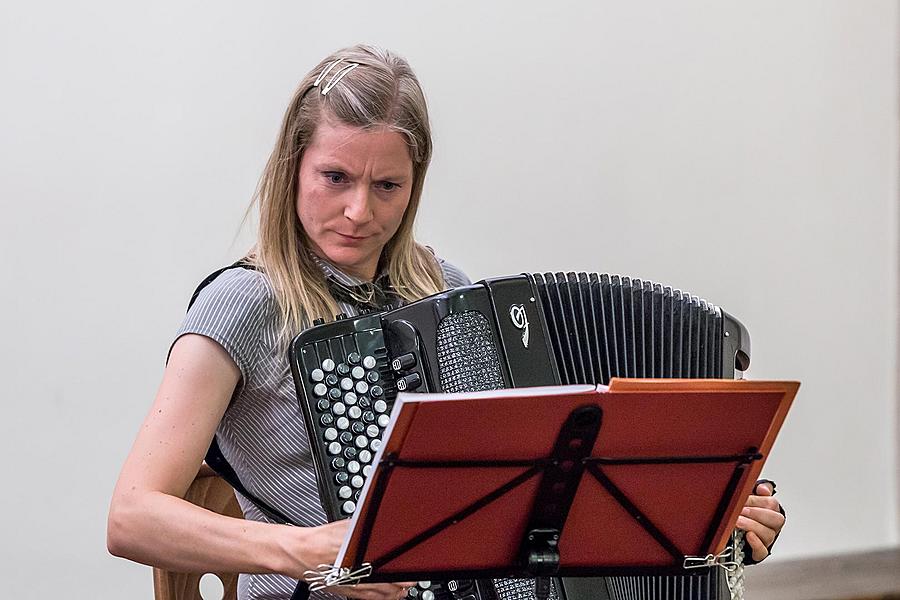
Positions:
(744, 151)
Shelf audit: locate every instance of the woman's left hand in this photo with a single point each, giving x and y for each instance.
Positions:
(761, 519)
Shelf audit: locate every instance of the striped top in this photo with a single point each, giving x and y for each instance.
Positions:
(262, 434)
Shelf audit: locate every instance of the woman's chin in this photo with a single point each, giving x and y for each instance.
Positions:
(352, 261)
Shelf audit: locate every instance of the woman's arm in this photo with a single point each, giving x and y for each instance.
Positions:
(149, 522)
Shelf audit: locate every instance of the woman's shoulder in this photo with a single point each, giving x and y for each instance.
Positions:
(236, 295)
(239, 285)
(237, 309)
(453, 275)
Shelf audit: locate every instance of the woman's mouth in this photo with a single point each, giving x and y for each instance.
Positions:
(351, 238)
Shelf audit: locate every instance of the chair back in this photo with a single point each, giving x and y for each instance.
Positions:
(212, 493)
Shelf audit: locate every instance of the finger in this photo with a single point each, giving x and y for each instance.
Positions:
(394, 591)
(354, 592)
(376, 592)
(371, 591)
(766, 535)
(757, 547)
(772, 519)
(763, 502)
(765, 488)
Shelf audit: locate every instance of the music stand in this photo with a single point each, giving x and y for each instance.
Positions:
(565, 481)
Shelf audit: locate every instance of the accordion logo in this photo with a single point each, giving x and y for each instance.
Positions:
(520, 320)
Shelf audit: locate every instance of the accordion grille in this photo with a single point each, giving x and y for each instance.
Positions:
(520, 589)
(467, 354)
(605, 326)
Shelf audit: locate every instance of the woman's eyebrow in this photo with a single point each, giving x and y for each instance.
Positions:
(332, 165)
(392, 174)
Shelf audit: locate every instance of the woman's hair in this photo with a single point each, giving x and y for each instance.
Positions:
(381, 92)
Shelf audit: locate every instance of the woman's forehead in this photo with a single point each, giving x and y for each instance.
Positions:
(359, 148)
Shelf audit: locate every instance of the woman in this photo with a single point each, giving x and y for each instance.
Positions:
(337, 202)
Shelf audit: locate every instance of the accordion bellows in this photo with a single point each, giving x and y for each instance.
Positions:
(604, 326)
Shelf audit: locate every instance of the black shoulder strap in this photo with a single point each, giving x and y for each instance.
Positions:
(241, 264)
(219, 464)
(214, 457)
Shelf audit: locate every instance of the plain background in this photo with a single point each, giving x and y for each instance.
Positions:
(745, 151)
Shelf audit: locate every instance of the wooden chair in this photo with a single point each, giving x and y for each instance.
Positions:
(211, 492)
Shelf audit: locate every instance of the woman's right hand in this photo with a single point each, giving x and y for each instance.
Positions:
(320, 546)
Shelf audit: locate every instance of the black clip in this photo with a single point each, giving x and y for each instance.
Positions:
(542, 551)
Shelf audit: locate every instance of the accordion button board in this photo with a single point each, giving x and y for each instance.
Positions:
(348, 389)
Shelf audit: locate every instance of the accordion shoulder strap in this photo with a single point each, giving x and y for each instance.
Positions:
(217, 461)
(214, 457)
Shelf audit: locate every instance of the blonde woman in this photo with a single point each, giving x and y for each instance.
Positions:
(337, 204)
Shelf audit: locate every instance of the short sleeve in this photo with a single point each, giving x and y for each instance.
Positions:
(453, 275)
(234, 311)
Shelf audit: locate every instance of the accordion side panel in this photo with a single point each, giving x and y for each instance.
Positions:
(615, 317)
(597, 328)
(609, 325)
(640, 328)
(678, 337)
(666, 347)
(718, 354)
(632, 325)
(703, 350)
(656, 301)
(619, 324)
(698, 338)
(579, 324)
(565, 319)
(580, 292)
(709, 354)
(687, 316)
(554, 303)
(571, 321)
(590, 332)
(695, 336)
(736, 346)
(627, 327)
(606, 357)
(553, 339)
(647, 325)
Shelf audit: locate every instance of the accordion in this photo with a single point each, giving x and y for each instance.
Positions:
(520, 331)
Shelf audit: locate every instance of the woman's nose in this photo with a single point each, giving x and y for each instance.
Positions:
(359, 205)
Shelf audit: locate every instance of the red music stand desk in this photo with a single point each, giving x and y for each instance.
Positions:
(563, 481)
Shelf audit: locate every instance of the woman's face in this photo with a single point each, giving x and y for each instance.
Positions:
(354, 187)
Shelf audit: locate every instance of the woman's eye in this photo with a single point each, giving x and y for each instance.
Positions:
(388, 186)
(335, 177)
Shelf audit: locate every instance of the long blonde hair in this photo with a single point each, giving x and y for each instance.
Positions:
(382, 92)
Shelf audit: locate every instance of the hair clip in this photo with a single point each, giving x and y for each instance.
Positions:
(334, 78)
